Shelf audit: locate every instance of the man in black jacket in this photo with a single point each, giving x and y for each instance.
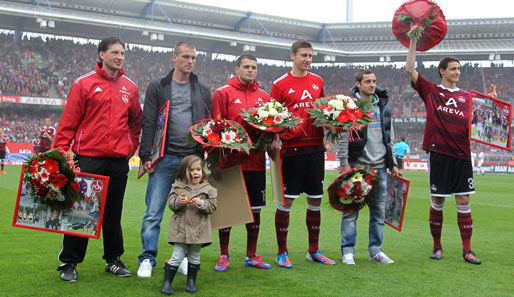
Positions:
(190, 101)
(372, 146)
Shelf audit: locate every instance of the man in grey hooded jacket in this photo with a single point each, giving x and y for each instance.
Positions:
(372, 146)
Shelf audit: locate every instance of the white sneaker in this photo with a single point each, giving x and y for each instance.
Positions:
(182, 268)
(348, 259)
(145, 269)
(382, 258)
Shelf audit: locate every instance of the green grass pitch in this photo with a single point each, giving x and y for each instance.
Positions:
(28, 258)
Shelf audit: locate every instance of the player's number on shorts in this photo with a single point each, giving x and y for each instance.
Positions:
(471, 183)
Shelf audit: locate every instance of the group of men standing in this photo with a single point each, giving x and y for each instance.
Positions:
(102, 120)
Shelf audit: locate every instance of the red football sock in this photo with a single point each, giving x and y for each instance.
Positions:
(224, 235)
(252, 234)
(313, 221)
(281, 229)
(436, 225)
(465, 223)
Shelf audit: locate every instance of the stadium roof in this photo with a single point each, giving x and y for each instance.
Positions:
(222, 30)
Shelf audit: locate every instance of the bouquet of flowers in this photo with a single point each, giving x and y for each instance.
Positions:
(269, 118)
(352, 189)
(51, 178)
(422, 19)
(221, 138)
(341, 113)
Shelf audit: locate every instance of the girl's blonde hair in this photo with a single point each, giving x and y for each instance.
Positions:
(185, 164)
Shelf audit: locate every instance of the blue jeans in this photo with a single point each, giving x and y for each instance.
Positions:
(157, 191)
(376, 221)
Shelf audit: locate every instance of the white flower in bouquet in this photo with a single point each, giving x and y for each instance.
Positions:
(272, 112)
(44, 175)
(329, 111)
(338, 104)
(206, 132)
(347, 185)
(263, 114)
(228, 137)
(351, 104)
(271, 105)
(367, 189)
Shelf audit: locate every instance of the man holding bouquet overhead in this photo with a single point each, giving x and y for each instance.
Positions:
(242, 92)
(372, 145)
(303, 160)
(447, 142)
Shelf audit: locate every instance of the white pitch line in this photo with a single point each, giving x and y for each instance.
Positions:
(492, 204)
(472, 202)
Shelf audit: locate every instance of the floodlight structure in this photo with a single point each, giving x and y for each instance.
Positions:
(249, 48)
(329, 58)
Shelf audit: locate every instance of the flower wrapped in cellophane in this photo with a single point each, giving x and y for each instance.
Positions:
(352, 189)
(226, 142)
(341, 113)
(51, 178)
(422, 19)
(269, 119)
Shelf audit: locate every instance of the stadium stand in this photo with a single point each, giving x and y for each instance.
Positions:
(39, 66)
(47, 67)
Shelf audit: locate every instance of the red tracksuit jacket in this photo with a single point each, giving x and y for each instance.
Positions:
(102, 116)
(228, 102)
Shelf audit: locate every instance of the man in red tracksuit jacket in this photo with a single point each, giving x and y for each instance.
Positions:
(242, 92)
(303, 160)
(101, 123)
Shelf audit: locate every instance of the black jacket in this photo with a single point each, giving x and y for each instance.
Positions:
(356, 147)
(157, 93)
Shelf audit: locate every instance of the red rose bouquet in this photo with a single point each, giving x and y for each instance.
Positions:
(220, 139)
(269, 119)
(341, 114)
(422, 19)
(352, 189)
(51, 178)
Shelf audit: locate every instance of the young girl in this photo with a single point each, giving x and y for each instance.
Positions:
(191, 199)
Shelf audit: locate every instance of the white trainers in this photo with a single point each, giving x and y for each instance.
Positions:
(348, 259)
(145, 269)
(182, 268)
(382, 258)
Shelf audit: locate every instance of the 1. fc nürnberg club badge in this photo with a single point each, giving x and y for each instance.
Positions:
(97, 186)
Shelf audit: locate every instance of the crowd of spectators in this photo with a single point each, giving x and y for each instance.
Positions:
(21, 122)
(20, 71)
(47, 68)
(38, 66)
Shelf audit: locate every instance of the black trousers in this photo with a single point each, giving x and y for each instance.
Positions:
(74, 247)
